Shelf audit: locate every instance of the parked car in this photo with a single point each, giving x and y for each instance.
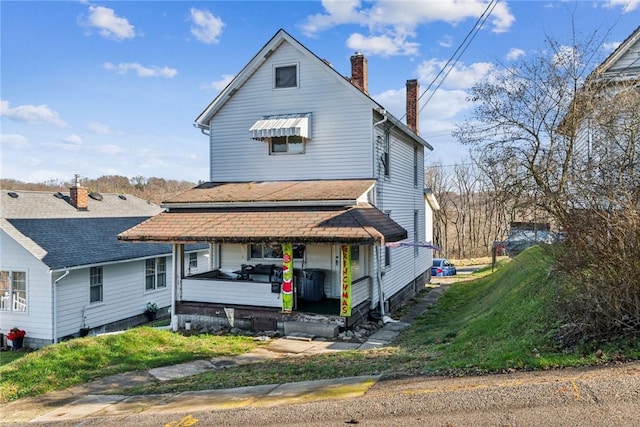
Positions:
(442, 267)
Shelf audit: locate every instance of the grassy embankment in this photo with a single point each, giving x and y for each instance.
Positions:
(496, 323)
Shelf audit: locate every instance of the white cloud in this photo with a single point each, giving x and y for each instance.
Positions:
(73, 139)
(13, 141)
(627, 5)
(392, 23)
(460, 77)
(141, 71)
(610, 47)
(99, 128)
(382, 45)
(110, 149)
(109, 24)
(446, 41)
(206, 27)
(514, 54)
(220, 84)
(31, 114)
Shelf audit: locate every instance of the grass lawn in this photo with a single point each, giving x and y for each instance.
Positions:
(497, 322)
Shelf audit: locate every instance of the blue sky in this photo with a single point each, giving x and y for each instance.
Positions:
(113, 88)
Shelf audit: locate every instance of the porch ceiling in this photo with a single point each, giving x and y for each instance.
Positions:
(360, 224)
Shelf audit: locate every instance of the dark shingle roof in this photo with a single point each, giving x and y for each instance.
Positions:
(72, 242)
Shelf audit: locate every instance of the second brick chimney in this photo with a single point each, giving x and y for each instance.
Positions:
(412, 105)
(79, 196)
(359, 73)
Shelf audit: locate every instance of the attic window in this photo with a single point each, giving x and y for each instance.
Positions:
(286, 76)
(96, 196)
(13, 195)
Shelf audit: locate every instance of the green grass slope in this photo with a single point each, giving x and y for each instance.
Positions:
(497, 322)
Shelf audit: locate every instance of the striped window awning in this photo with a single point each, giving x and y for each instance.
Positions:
(298, 124)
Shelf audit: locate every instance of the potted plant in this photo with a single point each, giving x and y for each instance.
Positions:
(16, 335)
(151, 311)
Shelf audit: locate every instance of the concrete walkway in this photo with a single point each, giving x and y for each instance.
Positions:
(95, 399)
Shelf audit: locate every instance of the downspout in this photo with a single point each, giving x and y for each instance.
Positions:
(379, 279)
(377, 246)
(55, 306)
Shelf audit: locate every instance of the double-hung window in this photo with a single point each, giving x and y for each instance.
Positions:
(95, 284)
(286, 145)
(193, 261)
(156, 273)
(13, 290)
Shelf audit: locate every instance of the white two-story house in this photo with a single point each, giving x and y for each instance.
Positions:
(316, 206)
(63, 272)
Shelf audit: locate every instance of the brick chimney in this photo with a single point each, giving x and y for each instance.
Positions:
(79, 195)
(359, 73)
(412, 105)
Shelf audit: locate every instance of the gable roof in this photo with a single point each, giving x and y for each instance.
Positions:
(61, 236)
(281, 36)
(617, 54)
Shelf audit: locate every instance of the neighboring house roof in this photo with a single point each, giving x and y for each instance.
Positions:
(281, 36)
(324, 211)
(609, 64)
(360, 224)
(51, 204)
(61, 236)
(73, 242)
(343, 192)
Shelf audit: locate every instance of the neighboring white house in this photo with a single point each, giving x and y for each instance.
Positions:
(63, 273)
(302, 155)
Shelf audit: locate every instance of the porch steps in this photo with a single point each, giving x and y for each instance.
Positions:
(293, 328)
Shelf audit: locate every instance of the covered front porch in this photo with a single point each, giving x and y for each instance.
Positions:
(282, 253)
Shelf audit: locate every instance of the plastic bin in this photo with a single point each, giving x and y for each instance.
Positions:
(312, 284)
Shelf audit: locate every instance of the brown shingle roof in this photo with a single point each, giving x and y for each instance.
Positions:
(274, 191)
(361, 224)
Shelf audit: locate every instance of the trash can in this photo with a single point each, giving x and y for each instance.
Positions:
(312, 284)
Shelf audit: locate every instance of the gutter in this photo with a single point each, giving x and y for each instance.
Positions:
(254, 204)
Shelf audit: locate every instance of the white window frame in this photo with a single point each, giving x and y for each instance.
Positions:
(155, 274)
(96, 280)
(14, 298)
(257, 251)
(277, 67)
(287, 145)
(193, 260)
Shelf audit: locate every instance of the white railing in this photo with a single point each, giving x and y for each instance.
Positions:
(238, 292)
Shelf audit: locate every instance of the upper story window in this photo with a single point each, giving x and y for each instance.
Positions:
(13, 290)
(386, 158)
(286, 76)
(286, 145)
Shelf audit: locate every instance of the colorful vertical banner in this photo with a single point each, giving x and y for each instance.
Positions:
(287, 277)
(345, 285)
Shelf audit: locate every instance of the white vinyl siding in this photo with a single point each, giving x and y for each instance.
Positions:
(124, 296)
(341, 127)
(36, 320)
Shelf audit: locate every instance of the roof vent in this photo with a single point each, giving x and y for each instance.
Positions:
(13, 195)
(58, 195)
(122, 197)
(96, 196)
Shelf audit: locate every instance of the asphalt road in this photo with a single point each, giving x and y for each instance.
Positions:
(608, 396)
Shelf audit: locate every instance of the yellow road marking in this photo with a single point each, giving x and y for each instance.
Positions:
(183, 422)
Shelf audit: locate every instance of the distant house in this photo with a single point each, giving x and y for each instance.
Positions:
(600, 99)
(316, 208)
(63, 271)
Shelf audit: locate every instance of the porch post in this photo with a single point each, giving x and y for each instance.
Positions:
(178, 262)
